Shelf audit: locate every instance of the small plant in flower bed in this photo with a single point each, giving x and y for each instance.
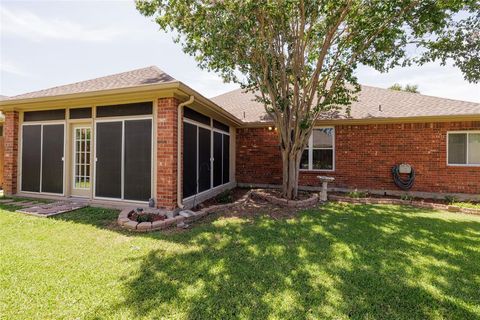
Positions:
(357, 194)
(450, 199)
(145, 217)
(469, 205)
(407, 197)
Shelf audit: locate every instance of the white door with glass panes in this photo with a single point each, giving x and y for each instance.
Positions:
(81, 160)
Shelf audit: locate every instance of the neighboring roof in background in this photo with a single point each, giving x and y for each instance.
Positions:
(139, 77)
(373, 103)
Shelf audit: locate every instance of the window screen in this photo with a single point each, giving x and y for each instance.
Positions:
(108, 175)
(52, 158)
(81, 113)
(138, 159)
(196, 116)
(31, 157)
(58, 114)
(220, 126)
(189, 160)
(204, 142)
(122, 110)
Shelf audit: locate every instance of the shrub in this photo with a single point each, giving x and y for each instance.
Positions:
(407, 197)
(357, 194)
(144, 218)
(450, 199)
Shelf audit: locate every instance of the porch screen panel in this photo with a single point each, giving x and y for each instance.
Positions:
(226, 158)
(217, 158)
(108, 176)
(138, 160)
(31, 157)
(204, 145)
(189, 160)
(52, 158)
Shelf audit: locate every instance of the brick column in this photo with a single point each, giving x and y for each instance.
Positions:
(167, 152)
(10, 132)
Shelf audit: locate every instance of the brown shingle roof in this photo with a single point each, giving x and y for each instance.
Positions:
(139, 77)
(394, 104)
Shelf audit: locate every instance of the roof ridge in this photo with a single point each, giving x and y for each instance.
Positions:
(153, 67)
(416, 94)
(376, 88)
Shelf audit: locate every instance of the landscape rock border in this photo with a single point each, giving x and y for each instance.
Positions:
(413, 203)
(263, 195)
(131, 225)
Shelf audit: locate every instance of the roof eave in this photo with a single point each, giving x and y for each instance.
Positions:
(416, 119)
(4, 104)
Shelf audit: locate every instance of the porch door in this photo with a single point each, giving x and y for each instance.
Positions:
(81, 160)
(124, 159)
(42, 158)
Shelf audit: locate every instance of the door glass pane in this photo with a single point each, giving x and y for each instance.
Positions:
(82, 158)
(474, 148)
(457, 148)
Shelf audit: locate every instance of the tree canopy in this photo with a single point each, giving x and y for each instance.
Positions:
(300, 57)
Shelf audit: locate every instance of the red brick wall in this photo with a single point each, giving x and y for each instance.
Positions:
(167, 152)
(10, 132)
(364, 157)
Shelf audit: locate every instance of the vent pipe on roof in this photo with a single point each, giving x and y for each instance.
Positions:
(179, 151)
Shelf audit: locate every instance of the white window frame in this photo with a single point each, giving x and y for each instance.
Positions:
(467, 132)
(74, 176)
(310, 151)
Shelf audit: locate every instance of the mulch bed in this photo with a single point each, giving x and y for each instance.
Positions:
(145, 217)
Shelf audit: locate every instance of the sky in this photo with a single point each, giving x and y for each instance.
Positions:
(50, 43)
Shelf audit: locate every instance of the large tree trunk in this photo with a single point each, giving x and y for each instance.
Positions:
(291, 166)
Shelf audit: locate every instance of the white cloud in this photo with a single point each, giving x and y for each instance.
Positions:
(9, 67)
(31, 26)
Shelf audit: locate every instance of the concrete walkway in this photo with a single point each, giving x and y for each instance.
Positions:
(40, 209)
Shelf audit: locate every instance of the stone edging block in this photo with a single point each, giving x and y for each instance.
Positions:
(131, 225)
(418, 204)
(260, 194)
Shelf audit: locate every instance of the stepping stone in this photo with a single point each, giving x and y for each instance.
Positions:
(187, 213)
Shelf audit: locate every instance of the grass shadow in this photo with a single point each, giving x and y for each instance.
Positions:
(338, 262)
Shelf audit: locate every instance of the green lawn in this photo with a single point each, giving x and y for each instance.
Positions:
(340, 262)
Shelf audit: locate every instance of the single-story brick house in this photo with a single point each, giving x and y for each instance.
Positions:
(142, 136)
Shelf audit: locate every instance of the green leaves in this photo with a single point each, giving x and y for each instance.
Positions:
(300, 57)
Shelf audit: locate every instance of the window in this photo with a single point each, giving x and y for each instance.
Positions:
(320, 153)
(463, 148)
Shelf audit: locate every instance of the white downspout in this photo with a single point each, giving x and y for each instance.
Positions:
(179, 149)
